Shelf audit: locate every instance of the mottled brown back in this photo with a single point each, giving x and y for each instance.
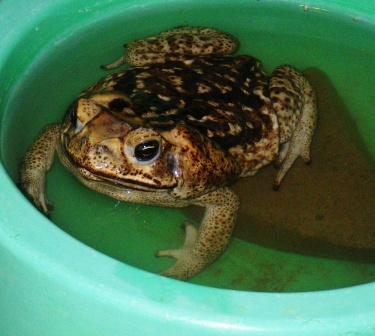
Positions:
(218, 96)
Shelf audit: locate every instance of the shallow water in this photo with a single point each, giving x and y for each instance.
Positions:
(322, 210)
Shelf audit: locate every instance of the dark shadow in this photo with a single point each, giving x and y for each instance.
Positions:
(325, 209)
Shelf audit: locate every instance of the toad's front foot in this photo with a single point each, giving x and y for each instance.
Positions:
(35, 191)
(187, 263)
(202, 247)
(38, 161)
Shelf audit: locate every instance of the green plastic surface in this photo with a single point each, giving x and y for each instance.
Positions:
(52, 284)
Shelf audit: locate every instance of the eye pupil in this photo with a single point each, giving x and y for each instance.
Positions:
(147, 150)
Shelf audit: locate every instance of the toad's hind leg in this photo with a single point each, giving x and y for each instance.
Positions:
(294, 101)
(176, 45)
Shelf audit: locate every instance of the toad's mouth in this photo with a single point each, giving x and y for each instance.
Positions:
(123, 182)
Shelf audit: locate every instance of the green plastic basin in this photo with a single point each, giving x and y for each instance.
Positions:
(78, 275)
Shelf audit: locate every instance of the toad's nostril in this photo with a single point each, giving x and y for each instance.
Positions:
(118, 104)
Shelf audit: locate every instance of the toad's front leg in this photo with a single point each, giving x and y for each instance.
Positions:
(37, 162)
(203, 246)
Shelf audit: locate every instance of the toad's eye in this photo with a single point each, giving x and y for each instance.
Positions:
(147, 151)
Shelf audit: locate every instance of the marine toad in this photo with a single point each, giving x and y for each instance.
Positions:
(183, 122)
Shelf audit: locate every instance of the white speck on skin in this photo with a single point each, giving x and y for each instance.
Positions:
(102, 165)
